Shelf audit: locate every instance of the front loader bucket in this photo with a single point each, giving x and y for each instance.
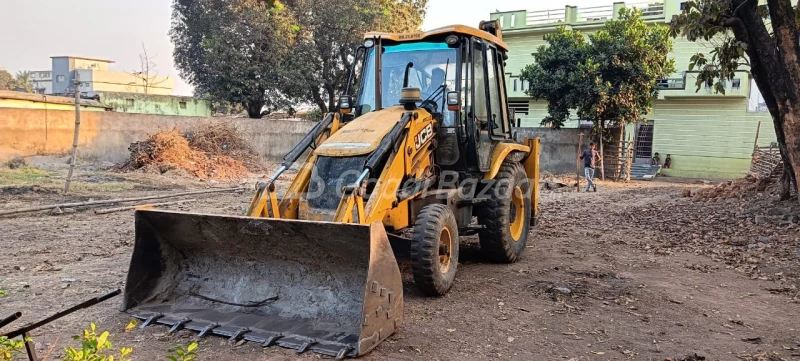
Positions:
(332, 288)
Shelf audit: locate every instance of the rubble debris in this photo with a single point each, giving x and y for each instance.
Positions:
(16, 163)
(739, 188)
(169, 150)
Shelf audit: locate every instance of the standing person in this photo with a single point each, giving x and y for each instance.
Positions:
(589, 156)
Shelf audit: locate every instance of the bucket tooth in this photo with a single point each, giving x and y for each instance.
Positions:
(207, 329)
(343, 353)
(305, 346)
(271, 340)
(151, 319)
(239, 333)
(178, 325)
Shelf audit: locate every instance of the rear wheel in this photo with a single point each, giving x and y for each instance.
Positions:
(506, 215)
(434, 249)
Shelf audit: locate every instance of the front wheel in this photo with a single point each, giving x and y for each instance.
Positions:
(506, 215)
(434, 249)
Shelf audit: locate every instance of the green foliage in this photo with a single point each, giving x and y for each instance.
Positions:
(2, 291)
(702, 21)
(313, 115)
(331, 32)
(23, 81)
(612, 77)
(749, 36)
(95, 347)
(268, 54)
(10, 348)
(234, 51)
(8, 82)
(178, 353)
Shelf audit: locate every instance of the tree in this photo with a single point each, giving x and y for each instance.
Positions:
(763, 39)
(147, 74)
(609, 79)
(7, 82)
(23, 81)
(331, 31)
(234, 50)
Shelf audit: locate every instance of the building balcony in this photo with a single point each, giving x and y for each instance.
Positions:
(686, 87)
(521, 20)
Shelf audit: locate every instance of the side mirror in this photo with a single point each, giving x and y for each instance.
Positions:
(453, 101)
(345, 104)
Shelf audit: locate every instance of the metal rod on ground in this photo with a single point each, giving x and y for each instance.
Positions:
(118, 209)
(75, 133)
(10, 319)
(578, 165)
(118, 200)
(82, 305)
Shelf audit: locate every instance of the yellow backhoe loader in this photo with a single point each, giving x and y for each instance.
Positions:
(419, 153)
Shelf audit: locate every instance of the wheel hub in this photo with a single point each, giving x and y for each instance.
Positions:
(516, 214)
(445, 250)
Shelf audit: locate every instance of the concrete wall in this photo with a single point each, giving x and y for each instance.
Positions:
(559, 147)
(107, 135)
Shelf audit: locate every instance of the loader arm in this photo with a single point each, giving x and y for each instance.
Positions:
(265, 201)
(406, 153)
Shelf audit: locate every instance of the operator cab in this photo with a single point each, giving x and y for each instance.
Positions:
(459, 71)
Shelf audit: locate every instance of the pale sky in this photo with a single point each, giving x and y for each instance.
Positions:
(32, 31)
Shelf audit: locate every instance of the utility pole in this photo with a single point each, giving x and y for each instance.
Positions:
(77, 84)
(578, 165)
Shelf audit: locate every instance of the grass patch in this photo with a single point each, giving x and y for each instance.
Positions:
(24, 176)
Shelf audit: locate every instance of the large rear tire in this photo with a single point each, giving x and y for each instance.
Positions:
(506, 215)
(434, 249)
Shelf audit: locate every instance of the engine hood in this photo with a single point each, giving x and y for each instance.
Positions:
(363, 134)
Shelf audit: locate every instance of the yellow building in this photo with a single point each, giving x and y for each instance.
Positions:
(95, 76)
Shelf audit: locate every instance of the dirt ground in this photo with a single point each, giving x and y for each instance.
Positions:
(632, 272)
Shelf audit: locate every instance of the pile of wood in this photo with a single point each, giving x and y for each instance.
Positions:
(224, 139)
(170, 150)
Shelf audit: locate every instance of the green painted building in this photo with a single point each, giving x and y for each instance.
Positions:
(707, 134)
(156, 104)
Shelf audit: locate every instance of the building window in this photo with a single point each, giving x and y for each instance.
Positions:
(182, 105)
(683, 6)
(513, 20)
(33, 75)
(158, 107)
(736, 84)
(60, 79)
(129, 103)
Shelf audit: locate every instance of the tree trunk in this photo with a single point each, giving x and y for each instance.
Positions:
(773, 77)
(331, 90)
(254, 108)
(791, 133)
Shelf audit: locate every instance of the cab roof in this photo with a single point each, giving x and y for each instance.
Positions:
(452, 29)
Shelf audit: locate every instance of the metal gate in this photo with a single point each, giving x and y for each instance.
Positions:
(644, 142)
